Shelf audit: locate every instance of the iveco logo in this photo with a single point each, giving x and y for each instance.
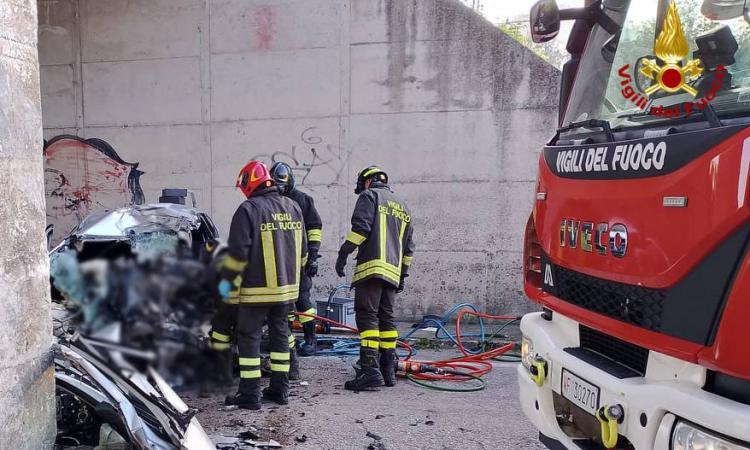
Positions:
(575, 233)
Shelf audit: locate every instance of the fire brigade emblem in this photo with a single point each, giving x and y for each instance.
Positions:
(671, 47)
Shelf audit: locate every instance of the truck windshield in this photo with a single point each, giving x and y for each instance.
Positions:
(618, 78)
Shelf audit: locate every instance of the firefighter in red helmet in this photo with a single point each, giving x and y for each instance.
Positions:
(267, 248)
(382, 235)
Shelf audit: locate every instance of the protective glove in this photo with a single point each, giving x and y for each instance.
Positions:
(311, 269)
(225, 287)
(400, 287)
(341, 263)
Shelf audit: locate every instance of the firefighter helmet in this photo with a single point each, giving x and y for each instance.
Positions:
(283, 176)
(254, 175)
(370, 173)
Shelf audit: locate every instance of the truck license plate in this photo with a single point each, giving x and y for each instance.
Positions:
(580, 392)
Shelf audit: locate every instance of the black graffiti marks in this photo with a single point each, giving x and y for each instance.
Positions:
(312, 154)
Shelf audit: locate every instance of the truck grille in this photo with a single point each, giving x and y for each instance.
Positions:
(621, 352)
(632, 304)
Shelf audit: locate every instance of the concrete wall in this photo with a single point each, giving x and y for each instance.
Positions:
(27, 405)
(455, 110)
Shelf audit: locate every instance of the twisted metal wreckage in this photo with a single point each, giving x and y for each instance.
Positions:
(132, 294)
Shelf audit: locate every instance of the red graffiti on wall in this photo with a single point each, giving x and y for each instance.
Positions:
(81, 176)
(264, 21)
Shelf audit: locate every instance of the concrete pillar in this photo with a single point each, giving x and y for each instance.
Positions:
(27, 388)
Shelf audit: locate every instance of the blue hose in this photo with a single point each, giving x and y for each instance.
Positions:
(345, 346)
(442, 332)
(349, 346)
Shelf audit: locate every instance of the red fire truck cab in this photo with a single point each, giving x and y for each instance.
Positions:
(637, 246)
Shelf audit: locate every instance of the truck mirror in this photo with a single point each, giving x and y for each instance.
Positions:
(544, 21)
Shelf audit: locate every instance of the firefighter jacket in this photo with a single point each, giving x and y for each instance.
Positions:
(313, 224)
(382, 230)
(267, 248)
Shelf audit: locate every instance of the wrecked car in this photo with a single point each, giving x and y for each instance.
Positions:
(99, 406)
(134, 290)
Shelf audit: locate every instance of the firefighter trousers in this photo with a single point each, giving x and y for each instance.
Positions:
(302, 304)
(373, 308)
(250, 319)
(222, 326)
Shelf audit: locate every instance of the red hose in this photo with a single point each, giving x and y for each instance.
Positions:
(472, 365)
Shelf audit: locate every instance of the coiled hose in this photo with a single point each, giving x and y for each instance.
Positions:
(472, 366)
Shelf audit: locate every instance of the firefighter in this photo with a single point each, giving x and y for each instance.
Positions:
(222, 327)
(382, 230)
(283, 176)
(267, 249)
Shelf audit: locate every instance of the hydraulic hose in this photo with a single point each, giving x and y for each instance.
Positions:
(470, 367)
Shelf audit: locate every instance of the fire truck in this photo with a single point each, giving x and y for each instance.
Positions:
(636, 250)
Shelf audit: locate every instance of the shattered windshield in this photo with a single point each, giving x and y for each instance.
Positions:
(669, 60)
(163, 219)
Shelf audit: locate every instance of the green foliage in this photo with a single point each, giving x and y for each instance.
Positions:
(549, 51)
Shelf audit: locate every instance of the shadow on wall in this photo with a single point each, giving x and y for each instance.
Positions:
(82, 175)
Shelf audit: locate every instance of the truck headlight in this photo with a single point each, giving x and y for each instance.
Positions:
(689, 437)
(527, 352)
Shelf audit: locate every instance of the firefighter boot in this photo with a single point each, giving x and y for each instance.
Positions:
(388, 360)
(248, 395)
(278, 390)
(369, 376)
(294, 374)
(311, 341)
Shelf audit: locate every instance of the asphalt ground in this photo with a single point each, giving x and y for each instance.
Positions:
(322, 415)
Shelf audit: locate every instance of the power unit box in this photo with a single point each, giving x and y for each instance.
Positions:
(340, 310)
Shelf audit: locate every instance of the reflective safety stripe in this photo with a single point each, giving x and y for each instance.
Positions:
(292, 341)
(269, 258)
(401, 244)
(279, 367)
(389, 334)
(369, 338)
(376, 271)
(250, 373)
(383, 236)
(269, 295)
(249, 361)
(387, 344)
(220, 337)
(233, 264)
(369, 333)
(298, 254)
(371, 171)
(304, 261)
(290, 338)
(290, 317)
(269, 298)
(407, 260)
(251, 291)
(305, 319)
(393, 270)
(280, 356)
(314, 235)
(355, 238)
(220, 346)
